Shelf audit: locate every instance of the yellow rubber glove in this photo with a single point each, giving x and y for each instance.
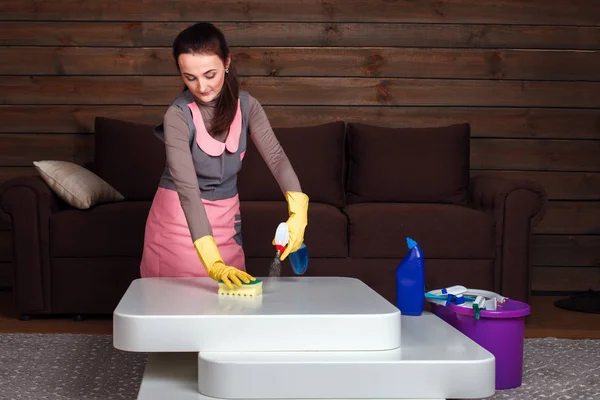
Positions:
(209, 254)
(298, 219)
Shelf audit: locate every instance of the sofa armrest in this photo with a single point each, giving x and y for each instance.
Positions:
(29, 203)
(517, 206)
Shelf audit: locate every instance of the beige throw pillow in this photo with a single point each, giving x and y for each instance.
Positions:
(79, 187)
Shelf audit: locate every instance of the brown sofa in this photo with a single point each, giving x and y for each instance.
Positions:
(6, 267)
(369, 188)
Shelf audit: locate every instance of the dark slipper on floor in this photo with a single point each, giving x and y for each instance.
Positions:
(587, 302)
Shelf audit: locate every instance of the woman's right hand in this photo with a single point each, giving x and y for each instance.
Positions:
(228, 274)
(209, 254)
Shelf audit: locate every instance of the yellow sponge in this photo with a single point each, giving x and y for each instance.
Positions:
(254, 288)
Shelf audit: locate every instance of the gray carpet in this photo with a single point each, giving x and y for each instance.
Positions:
(558, 369)
(69, 366)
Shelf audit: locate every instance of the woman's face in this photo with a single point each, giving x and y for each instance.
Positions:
(203, 74)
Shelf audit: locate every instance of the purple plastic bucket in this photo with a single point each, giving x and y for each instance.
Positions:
(501, 332)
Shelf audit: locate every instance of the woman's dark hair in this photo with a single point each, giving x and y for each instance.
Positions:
(205, 38)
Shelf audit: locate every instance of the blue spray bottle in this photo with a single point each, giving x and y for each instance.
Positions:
(299, 258)
(410, 281)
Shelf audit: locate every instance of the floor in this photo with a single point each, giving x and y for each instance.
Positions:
(545, 320)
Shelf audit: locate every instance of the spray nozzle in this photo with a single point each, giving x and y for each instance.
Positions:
(282, 237)
(280, 242)
(280, 249)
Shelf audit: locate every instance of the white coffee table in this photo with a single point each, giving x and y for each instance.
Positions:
(187, 314)
(305, 337)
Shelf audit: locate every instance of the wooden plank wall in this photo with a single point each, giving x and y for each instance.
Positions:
(525, 74)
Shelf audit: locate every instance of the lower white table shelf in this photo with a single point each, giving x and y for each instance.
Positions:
(434, 361)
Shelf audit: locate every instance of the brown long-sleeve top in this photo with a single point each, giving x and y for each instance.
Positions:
(181, 166)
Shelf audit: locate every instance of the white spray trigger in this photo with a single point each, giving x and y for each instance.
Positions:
(480, 301)
(453, 290)
(282, 235)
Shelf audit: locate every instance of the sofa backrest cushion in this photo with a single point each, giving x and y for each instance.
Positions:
(129, 157)
(316, 154)
(425, 165)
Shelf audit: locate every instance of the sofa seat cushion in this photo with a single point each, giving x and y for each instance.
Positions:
(108, 230)
(325, 234)
(445, 231)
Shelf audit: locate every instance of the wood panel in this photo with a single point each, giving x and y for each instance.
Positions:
(20, 150)
(536, 123)
(339, 62)
(70, 119)
(560, 12)
(566, 250)
(305, 91)
(70, 90)
(558, 185)
(57, 60)
(375, 92)
(539, 155)
(70, 9)
(148, 34)
(396, 35)
(559, 279)
(407, 62)
(51, 33)
(485, 122)
(571, 218)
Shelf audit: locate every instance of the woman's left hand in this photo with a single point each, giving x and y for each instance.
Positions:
(298, 219)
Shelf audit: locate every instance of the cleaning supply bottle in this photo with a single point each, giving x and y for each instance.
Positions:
(410, 281)
(299, 258)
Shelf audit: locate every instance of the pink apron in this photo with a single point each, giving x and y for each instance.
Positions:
(168, 247)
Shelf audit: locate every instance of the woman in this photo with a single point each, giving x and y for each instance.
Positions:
(194, 225)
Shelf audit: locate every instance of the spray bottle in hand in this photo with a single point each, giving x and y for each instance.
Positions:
(299, 258)
(281, 239)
